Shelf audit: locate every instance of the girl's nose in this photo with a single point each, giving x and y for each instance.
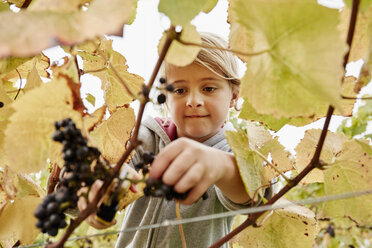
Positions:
(194, 100)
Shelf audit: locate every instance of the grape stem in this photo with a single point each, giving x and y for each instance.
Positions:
(252, 219)
(134, 142)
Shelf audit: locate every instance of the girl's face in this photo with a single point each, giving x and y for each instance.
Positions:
(200, 101)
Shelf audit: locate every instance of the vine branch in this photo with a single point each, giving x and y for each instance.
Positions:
(314, 161)
(20, 84)
(134, 142)
(355, 98)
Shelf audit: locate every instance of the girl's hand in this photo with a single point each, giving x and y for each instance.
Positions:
(82, 203)
(189, 165)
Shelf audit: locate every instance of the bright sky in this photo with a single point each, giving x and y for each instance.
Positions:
(139, 46)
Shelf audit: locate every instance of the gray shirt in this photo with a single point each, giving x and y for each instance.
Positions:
(151, 210)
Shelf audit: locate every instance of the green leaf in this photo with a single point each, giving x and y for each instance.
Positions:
(181, 12)
(293, 226)
(249, 163)
(299, 74)
(249, 113)
(364, 4)
(350, 173)
(91, 99)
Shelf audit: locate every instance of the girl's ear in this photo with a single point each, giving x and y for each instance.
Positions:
(234, 98)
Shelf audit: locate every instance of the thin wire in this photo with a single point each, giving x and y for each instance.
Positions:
(246, 211)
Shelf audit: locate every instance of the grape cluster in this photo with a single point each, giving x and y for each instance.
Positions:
(156, 187)
(50, 212)
(147, 159)
(77, 173)
(77, 155)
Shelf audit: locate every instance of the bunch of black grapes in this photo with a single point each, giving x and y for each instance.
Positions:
(156, 187)
(78, 157)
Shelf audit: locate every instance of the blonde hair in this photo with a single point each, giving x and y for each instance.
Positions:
(216, 60)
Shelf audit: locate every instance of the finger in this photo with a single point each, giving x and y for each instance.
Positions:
(165, 157)
(195, 193)
(178, 168)
(94, 189)
(190, 179)
(82, 203)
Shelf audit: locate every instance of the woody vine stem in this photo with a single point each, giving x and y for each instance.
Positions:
(314, 163)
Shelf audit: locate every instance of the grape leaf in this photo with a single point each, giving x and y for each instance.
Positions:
(350, 173)
(37, 111)
(68, 68)
(179, 54)
(5, 112)
(281, 158)
(56, 5)
(4, 6)
(111, 135)
(296, 34)
(181, 12)
(249, 113)
(249, 163)
(16, 67)
(263, 142)
(11, 63)
(293, 226)
(114, 92)
(67, 28)
(91, 121)
(8, 190)
(18, 221)
(306, 148)
(364, 4)
(33, 80)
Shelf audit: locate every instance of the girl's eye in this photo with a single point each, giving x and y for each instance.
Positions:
(209, 89)
(179, 91)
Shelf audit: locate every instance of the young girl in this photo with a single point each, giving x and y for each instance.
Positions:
(192, 154)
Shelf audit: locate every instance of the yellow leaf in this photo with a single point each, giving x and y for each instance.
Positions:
(56, 5)
(111, 135)
(18, 221)
(33, 80)
(351, 172)
(69, 68)
(293, 226)
(96, 63)
(31, 126)
(22, 67)
(66, 28)
(91, 121)
(306, 148)
(179, 54)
